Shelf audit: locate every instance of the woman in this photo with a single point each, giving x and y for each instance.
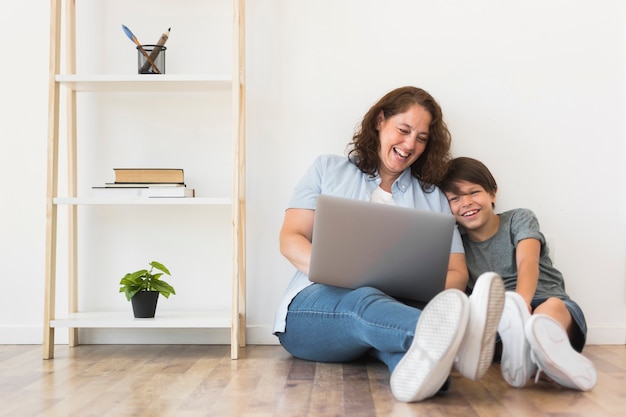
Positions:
(397, 156)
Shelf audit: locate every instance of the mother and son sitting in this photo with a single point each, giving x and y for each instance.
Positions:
(517, 301)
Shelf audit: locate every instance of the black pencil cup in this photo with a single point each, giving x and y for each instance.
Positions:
(151, 59)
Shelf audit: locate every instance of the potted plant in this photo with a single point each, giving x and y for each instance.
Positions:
(142, 289)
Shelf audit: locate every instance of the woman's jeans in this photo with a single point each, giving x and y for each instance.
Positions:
(331, 324)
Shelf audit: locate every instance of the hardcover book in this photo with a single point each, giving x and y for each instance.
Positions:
(149, 175)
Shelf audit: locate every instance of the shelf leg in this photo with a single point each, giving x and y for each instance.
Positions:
(238, 335)
(52, 177)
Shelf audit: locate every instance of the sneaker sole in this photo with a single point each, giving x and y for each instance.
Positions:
(516, 365)
(438, 335)
(555, 356)
(486, 304)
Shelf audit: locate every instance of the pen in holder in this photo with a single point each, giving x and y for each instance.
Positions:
(151, 59)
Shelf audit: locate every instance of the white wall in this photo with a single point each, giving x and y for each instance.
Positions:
(535, 89)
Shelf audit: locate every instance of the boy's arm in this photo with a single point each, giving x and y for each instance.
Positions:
(527, 256)
(457, 276)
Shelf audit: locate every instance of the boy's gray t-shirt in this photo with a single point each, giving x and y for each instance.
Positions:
(497, 254)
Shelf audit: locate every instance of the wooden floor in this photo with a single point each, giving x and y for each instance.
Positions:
(191, 381)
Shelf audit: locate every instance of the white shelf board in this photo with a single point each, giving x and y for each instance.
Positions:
(162, 320)
(144, 82)
(207, 201)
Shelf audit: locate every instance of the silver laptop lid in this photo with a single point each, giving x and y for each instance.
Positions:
(402, 251)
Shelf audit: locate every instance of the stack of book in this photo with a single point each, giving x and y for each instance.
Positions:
(146, 182)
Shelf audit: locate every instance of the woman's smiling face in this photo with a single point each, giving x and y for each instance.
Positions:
(403, 138)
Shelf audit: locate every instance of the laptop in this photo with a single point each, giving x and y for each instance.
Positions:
(403, 252)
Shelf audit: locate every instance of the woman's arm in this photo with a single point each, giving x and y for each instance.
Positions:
(295, 237)
(457, 272)
(527, 256)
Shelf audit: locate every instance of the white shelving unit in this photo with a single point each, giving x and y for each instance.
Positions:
(74, 83)
(165, 320)
(141, 83)
(205, 201)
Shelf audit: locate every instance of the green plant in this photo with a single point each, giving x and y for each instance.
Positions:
(146, 280)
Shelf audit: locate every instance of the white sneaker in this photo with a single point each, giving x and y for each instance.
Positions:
(515, 364)
(439, 332)
(486, 302)
(556, 357)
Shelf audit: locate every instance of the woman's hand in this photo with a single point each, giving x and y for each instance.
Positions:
(295, 237)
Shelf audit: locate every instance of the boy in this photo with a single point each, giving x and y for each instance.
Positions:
(541, 327)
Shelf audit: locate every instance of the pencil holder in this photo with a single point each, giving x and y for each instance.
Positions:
(151, 59)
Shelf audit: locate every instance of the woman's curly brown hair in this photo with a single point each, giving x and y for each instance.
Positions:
(430, 167)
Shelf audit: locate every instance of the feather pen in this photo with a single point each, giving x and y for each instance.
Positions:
(133, 38)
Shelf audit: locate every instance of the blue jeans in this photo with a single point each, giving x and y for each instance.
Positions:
(331, 324)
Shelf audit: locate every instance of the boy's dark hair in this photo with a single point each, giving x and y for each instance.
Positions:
(470, 170)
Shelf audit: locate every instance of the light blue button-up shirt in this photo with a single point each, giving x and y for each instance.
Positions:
(336, 175)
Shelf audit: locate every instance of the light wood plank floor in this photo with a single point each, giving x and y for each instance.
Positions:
(194, 381)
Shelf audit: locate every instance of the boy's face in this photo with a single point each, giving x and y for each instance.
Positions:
(472, 206)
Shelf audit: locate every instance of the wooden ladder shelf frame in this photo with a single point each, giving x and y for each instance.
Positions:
(238, 208)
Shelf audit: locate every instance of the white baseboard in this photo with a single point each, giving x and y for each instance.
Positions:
(22, 335)
(606, 336)
(255, 335)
